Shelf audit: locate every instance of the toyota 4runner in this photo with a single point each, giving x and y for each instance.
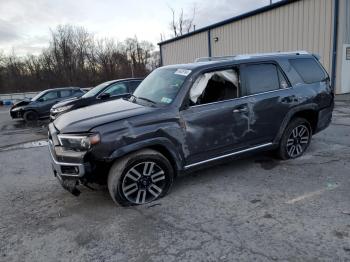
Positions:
(183, 117)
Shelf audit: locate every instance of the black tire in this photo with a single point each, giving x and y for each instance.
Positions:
(30, 116)
(292, 144)
(124, 174)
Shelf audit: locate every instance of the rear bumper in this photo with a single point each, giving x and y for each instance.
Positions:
(324, 118)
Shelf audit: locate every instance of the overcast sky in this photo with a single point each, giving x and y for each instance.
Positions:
(25, 24)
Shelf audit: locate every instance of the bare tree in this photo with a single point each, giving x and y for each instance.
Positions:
(181, 24)
(74, 57)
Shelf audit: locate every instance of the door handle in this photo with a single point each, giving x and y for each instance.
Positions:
(240, 110)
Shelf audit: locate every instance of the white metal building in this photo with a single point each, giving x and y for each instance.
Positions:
(317, 26)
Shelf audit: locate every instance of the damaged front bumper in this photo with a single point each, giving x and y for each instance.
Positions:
(16, 114)
(70, 175)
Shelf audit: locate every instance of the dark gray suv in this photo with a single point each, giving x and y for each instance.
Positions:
(183, 117)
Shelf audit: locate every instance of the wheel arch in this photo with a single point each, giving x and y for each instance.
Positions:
(309, 112)
(162, 145)
(30, 109)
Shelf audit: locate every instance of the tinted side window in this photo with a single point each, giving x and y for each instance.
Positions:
(308, 69)
(260, 78)
(49, 96)
(117, 89)
(65, 93)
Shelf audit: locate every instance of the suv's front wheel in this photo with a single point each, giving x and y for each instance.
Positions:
(296, 138)
(140, 178)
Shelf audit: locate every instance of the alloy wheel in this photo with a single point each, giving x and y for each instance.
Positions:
(298, 141)
(143, 182)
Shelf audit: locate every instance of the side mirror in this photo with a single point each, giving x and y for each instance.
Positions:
(41, 100)
(104, 96)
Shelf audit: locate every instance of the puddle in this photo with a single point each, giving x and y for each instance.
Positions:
(33, 144)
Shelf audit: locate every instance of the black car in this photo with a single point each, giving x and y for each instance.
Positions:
(103, 92)
(183, 117)
(40, 105)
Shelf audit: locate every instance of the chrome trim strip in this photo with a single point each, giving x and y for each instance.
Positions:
(238, 98)
(59, 164)
(227, 155)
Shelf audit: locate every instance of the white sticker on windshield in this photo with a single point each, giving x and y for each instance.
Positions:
(166, 100)
(183, 72)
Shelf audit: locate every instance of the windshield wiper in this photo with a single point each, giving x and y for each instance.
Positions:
(146, 99)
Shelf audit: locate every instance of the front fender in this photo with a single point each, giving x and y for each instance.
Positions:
(162, 142)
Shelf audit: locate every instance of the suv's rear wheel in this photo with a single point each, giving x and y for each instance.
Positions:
(140, 178)
(30, 116)
(296, 138)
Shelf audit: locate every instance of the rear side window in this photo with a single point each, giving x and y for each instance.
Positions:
(117, 89)
(260, 78)
(308, 69)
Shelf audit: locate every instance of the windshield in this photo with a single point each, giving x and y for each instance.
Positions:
(35, 98)
(162, 85)
(97, 89)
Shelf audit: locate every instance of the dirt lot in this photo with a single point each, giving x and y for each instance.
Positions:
(257, 208)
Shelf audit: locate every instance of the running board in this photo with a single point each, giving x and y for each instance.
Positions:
(228, 155)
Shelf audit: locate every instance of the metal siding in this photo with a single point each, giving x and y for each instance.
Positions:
(185, 50)
(302, 25)
(342, 39)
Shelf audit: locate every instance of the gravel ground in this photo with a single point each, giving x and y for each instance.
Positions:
(257, 208)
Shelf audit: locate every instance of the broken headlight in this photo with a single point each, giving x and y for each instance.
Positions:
(78, 142)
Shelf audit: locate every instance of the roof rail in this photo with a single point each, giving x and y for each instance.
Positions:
(245, 56)
(214, 58)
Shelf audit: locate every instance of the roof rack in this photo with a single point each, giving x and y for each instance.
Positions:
(214, 58)
(246, 56)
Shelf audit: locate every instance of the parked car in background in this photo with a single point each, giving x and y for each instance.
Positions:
(103, 92)
(40, 105)
(86, 89)
(183, 117)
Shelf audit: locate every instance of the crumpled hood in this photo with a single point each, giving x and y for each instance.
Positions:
(86, 118)
(66, 102)
(21, 103)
